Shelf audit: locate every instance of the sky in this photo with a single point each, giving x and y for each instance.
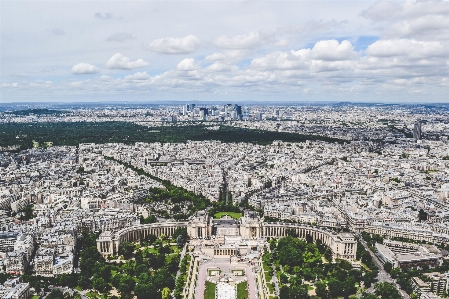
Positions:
(237, 51)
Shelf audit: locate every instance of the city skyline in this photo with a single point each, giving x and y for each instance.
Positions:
(224, 201)
(365, 51)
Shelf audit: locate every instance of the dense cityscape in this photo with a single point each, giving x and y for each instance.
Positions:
(224, 201)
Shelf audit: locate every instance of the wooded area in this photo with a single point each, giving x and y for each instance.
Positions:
(71, 133)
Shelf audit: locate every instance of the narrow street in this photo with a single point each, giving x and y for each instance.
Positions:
(383, 275)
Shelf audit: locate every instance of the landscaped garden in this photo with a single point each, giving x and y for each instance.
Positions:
(209, 291)
(242, 290)
(230, 214)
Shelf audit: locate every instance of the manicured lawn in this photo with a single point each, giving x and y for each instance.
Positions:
(216, 272)
(268, 276)
(209, 291)
(242, 293)
(270, 288)
(231, 214)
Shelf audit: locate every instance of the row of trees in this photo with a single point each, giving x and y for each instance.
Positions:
(170, 192)
(182, 278)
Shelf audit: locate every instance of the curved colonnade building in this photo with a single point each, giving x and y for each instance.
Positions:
(249, 227)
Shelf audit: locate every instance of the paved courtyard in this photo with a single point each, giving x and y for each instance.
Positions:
(225, 266)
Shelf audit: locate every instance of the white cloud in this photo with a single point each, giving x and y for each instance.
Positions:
(411, 51)
(138, 76)
(406, 47)
(282, 43)
(229, 56)
(320, 57)
(14, 85)
(322, 66)
(41, 83)
(383, 10)
(431, 27)
(84, 68)
(246, 41)
(280, 61)
(220, 67)
(172, 45)
(425, 20)
(105, 78)
(332, 50)
(187, 64)
(76, 83)
(314, 26)
(392, 11)
(118, 61)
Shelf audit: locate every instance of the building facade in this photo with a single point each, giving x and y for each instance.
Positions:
(249, 227)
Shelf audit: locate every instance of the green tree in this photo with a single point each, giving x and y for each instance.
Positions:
(83, 281)
(126, 284)
(126, 249)
(328, 255)
(146, 291)
(335, 288)
(388, 267)
(284, 292)
(386, 290)
(321, 290)
(100, 285)
(299, 292)
(284, 278)
(149, 219)
(349, 287)
(368, 278)
(68, 280)
(165, 293)
(149, 239)
(141, 268)
(55, 294)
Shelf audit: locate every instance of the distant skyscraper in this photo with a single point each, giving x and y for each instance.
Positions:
(260, 116)
(238, 109)
(417, 133)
